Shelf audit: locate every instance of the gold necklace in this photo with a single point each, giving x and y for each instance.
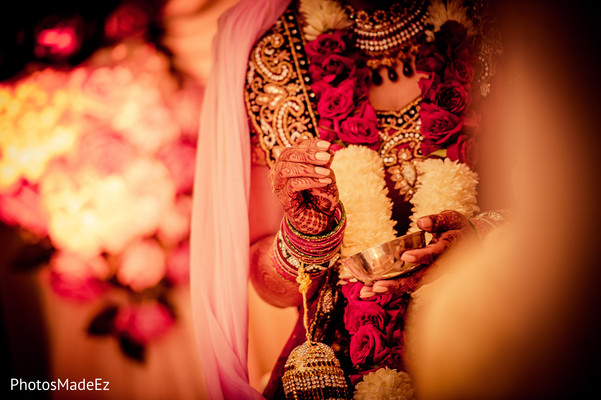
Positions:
(387, 37)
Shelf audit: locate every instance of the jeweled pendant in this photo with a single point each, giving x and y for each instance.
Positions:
(392, 75)
(376, 78)
(407, 70)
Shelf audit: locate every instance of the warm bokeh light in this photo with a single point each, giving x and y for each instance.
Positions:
(97, 159)
(58, 41)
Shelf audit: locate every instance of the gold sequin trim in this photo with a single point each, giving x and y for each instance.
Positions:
(277, 94)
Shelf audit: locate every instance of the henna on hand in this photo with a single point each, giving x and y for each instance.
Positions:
(404, 284)
(447, 228)
(305, 186)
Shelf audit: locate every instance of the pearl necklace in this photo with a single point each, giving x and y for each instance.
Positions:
(387, 37)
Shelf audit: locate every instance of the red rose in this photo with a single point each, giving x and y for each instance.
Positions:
(438, 125)
(361, 128)
(319, 87)
(336, 102)
(464, 150)
(427, 86)
(451, 96)
(362, 313)
(394, 360)
(367, 346)
(460, 70)
(324, 45)
(333, 68)
(428, 147)
(428, 59)
(326, 131)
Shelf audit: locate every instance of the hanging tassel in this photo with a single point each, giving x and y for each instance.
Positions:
(312, 370)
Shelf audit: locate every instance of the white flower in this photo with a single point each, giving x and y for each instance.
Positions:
(444, 185)
(385, 384)
(439, 13)
(322, 16)
(368, 208)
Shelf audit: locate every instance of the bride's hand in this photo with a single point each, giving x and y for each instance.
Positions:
(305, 185)
(447, 228)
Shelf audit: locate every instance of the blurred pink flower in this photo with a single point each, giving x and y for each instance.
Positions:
(21, 206)
(77, 278)
(106, 151)
(178, 264)
(179, 158)
(142, 265)
(145, 322)
(104, 90)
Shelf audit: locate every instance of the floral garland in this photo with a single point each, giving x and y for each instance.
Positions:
(339, 75)
(363, 229)
(447, 94)
(339, 82)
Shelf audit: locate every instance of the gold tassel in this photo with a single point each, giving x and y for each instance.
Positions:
(312, 370)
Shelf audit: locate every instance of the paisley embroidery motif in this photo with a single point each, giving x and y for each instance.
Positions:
(277, 89)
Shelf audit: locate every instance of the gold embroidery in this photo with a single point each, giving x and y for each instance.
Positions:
(281, 107)
(401, 138)
(276, 93)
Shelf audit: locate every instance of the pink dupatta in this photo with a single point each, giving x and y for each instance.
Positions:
(219, 260)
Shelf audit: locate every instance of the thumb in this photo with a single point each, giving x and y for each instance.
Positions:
(444, 221)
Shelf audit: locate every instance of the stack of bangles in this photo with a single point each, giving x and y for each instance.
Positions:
(315, 252)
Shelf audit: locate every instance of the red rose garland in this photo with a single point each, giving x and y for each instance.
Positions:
(447, 94)
(339, 75)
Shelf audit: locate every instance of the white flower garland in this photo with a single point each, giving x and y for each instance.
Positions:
(444, 185)
(359, 171)
(385, 384)
(362, 189)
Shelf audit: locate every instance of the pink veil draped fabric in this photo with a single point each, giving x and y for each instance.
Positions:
(220, 230)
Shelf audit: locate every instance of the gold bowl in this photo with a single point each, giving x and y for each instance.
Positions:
(384, 260)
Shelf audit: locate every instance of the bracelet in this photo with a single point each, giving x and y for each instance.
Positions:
(314, 249)
(487, 221)
(314, 253)
(287, 265)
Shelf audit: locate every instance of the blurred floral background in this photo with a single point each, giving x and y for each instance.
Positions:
(99, 106)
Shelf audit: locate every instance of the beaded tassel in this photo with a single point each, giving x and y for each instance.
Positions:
(312, 370)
